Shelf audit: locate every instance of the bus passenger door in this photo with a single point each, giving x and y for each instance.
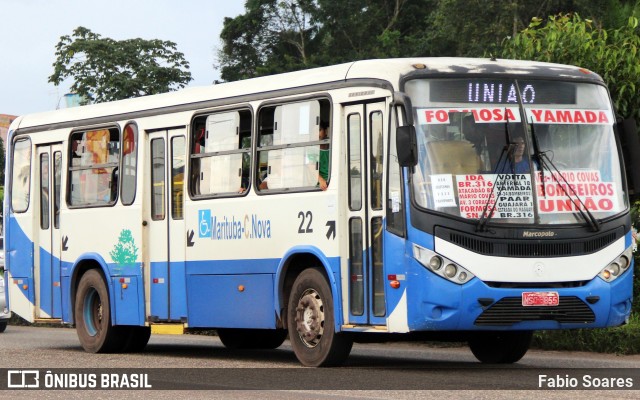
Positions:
(366, 127)
(48, 244)
(166, 236)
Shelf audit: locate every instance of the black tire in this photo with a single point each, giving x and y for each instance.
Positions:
(252, 338)
(310, 319)
(137, 339)
(93, 316)
(500, 347)
(3, 326)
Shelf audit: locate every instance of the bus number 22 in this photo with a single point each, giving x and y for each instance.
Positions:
(302, 216)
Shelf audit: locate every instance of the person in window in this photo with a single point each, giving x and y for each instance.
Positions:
(514, 162)
(323, 168)
(75, 152)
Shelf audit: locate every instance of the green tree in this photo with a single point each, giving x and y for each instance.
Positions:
(104, 69)
(360, 29)
(570, 39)
(275, 36)
(285, 35)
(272, 36)
(476, 28)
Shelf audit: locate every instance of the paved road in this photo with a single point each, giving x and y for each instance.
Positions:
(201, 362)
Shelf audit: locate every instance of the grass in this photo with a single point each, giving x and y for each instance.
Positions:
(622, 340)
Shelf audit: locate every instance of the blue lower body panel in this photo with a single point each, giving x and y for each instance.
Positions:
(437, 304)
(231, 301)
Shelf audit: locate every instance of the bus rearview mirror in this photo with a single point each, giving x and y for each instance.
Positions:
(407, 146)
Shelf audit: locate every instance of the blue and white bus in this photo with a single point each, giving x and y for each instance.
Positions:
(467, 199)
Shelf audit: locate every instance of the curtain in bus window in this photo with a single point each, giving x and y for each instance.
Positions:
(129, 139)
(96, 144)
(97, 181)
(296, 167)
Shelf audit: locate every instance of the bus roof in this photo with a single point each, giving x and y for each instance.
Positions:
(389, 70)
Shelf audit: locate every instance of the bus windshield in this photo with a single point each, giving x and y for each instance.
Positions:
(516, 151)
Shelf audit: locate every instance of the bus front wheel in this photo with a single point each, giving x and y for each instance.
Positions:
(310, 319)
(500, 347)
(93, 316)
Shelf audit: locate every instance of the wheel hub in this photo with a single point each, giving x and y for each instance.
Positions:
(310, 318)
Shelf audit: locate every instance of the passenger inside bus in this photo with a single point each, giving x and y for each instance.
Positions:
(513, 161)
(198, 148)
(323, 169)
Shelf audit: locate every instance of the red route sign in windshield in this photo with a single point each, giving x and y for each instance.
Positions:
(569, 116)
(427, 116)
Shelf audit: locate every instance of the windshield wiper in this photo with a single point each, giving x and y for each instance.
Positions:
(544, 161)
(537, 156)
(507, 152)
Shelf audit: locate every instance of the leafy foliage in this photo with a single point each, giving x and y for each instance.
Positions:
(285, 35)
(570, 39)
(104, 69)
(275, 36)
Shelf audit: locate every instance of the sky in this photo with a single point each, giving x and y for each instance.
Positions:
(30, 30)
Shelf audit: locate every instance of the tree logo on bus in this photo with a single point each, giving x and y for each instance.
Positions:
(125, 252)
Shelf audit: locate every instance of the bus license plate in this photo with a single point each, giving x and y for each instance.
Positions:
(545, 299)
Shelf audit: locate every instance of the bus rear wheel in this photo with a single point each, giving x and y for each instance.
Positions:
(93, 316)
(310, 319)
(252, 338)
(500, 347)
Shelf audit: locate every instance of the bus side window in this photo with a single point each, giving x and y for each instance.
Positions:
(129, 164)
(265, 139)
(221, 153)
(21, 175)
(93, 167)
(293, 150)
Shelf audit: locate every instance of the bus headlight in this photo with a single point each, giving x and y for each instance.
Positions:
(450, 271)
(617, 267)
(433, 262)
